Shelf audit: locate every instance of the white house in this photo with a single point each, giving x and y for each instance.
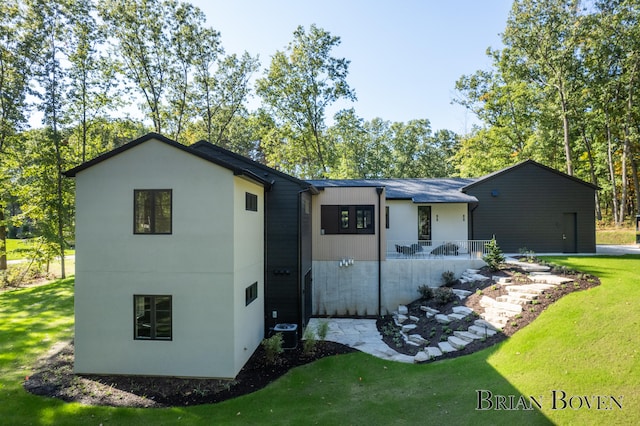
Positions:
(170, 262)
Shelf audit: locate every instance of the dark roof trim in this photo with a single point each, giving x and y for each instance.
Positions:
(522, 164)
(156, 136)
(203, 146)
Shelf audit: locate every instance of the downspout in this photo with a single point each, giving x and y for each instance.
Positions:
(379, 191)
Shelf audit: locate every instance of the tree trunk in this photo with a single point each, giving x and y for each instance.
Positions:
(592, 171)
(565, 126)
(612, 175)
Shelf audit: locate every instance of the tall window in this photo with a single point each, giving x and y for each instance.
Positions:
(347, 219)
(152, 211)
(250, 293)
(152, 317)
(251, 202)
(424, 222)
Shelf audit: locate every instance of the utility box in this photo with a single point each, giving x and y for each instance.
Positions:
(289, 335)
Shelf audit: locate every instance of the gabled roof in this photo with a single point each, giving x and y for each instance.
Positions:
(238, 171)
(219, 152)
(434, 190)
(523, 164)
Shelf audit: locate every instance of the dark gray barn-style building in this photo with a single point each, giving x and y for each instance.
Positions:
(532, 206)
(287, 241)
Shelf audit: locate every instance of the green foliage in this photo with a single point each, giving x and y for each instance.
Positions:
(448, 278)
(308, 341)
(426, 292)
(323, 329)
(273, 348)
(494, 257)
(443, 295)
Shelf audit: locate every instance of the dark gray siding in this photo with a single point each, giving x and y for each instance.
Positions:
(528, 206)
(287, 239)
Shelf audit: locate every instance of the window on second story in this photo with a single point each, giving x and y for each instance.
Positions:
(152, 211)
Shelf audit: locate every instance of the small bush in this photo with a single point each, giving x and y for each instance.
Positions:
(309, 341)
(448, 277)
(494, 256)
(443, 295)
(426, 292)
(323, 330)
(273, 347)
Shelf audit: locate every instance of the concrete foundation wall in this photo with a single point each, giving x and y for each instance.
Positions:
(353, 290)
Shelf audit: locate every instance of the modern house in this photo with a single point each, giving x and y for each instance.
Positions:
(187, 257)
(287, 239)
(170, 262)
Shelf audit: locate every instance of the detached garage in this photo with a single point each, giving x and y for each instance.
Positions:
(532, 206)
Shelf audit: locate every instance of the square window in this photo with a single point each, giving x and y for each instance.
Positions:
(152, 317)
(152, 211)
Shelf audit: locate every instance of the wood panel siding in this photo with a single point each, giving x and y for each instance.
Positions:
(348, 246)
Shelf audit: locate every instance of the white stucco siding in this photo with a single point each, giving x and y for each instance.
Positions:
(195, 265)
(448, 221)
(248, 269)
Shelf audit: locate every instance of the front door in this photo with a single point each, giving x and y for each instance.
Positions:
(424, 222)
(569, 233)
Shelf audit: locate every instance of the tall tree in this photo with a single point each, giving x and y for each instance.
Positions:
(298, 87)
(16, 63)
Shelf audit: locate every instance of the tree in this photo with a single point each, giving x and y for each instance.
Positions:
(16, 60)
(297, 88)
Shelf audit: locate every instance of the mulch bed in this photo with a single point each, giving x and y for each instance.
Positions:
(54, 376)
(435, 332)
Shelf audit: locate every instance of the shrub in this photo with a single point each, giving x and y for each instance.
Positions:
(323, 329)
(494, 256)
(443, 295)
(273, 347)
(426, 292)
(309, 341)
(448, 277)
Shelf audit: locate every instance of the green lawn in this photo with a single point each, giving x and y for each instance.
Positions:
(15, 249)
(586, 344)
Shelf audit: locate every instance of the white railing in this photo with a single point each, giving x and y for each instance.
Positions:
(432, 249)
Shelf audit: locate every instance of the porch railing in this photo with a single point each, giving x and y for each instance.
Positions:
(432, 249)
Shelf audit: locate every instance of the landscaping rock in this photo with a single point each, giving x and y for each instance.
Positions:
(462, 310)
(414, 319)
(416, 338)
(481, 331)
(455, 316)
(457, 342)
(433, 352)
(408, 327)
(443, 319)
(421, 357)
(403, 310)
(429, 310)
(446, 347)
(462, 294)
(465, 335)
(483, 323)
(401, 318)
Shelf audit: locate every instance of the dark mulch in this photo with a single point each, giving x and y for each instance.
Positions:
(54, 378)
(54, 373)
(434, 332)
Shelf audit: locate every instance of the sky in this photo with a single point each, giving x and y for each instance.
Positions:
(406, 55)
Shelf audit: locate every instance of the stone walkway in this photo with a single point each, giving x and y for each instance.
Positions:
(362, 334)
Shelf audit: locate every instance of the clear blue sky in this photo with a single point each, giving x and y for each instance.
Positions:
(405, 55)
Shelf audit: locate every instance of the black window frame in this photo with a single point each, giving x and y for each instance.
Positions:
(250, 202)
(251, 293)
(153, 317)
(154, 193)
(347, 219)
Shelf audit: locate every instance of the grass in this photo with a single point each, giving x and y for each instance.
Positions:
(585, 344)
(16, 249)
(616, 236)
